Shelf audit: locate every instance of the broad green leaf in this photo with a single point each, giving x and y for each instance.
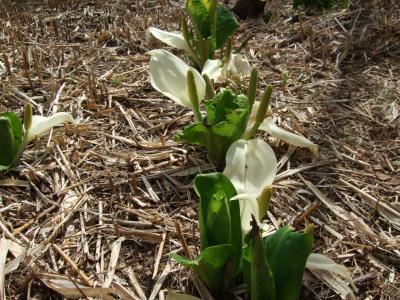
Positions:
(202, 13)
(219, 217)
(185, 261)
(214, 191)
(226, 26)
(7, 144)
(262, 280)
(11, 139)
(225, 123)
(196, 134)
(287, 252)
(222, 105)
(210, 266)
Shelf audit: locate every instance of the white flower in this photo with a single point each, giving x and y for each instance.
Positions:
(237, 66)
(318, 261)
(168, 75)
(173, 39)
(251, 166)
(268, 125)
(41, 124)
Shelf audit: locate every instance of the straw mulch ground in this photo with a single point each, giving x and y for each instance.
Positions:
(105, 202)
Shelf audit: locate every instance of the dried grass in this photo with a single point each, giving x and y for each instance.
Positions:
(95, 205)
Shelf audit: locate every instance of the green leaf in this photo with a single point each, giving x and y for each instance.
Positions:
(223, 104)
(210, 266)
(262, 281)
(226, 26)
(11, 139)
(287, 252)
(219, 217)
(225, 123)
(202, 14)
(184, 261)
(214, 191)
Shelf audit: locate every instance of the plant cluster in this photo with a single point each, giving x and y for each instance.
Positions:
(233, 245)
(14, 136)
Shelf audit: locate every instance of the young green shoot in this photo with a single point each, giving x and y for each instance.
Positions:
(194, 98)
(262, 110)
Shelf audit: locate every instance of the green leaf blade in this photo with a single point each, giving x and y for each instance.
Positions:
(287, 252)
(223, 225)
(262, 279)
(11, 134)
(226, 25)
(206, 187)
(200, 12)
(210, 266)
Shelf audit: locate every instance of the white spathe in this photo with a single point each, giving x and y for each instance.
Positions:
(168, 75)
(268, 125)
(321, 262)
(41, 124)
(237, 66)
(173, 39)
(248, 206)
(212, 68)
(251, 165)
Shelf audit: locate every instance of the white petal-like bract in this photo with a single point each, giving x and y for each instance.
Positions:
(251, 166)
(41, 124)
(173, 39)
(268, 125)
(237, 66)
(212, 68)
(168, 75)
(322, 262)
(248, 206)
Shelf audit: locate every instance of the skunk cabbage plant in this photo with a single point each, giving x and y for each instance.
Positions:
(224, 123)
(220, 235)
(169, 76)
(251, 166)
(274, 265)
(262, 119)
(213, 26)
(217, 70)
(14, 137)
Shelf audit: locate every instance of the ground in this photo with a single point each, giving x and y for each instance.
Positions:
(106, 201)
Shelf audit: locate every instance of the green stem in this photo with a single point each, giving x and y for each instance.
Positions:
(188, 40)
(228, 51)
(214, 148)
